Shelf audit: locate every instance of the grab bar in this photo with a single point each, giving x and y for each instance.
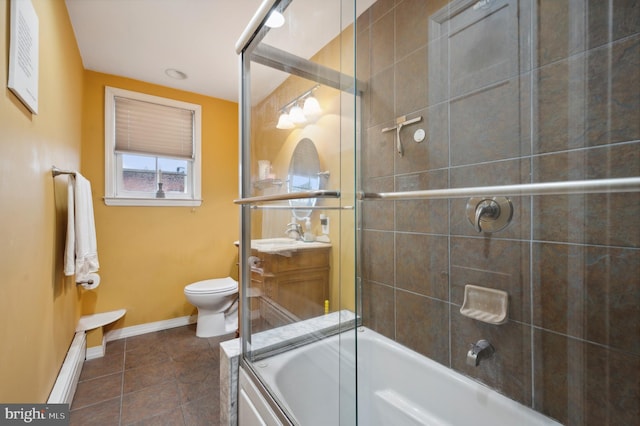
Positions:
(631, 184)
(323, 193)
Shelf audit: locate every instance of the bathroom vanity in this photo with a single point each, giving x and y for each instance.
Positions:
(291, 282)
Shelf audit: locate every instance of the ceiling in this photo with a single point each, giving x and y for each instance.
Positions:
(140, 39)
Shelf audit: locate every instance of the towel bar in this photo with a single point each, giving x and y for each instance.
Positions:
(56, 172)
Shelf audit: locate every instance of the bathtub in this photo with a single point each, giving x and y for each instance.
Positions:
(315, 384)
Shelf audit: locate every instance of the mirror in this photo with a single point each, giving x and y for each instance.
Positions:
(304, 175)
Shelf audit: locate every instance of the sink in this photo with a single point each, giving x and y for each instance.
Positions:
(275, 245)
(276, 241)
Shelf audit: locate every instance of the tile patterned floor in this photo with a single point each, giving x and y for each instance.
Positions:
(170, 377)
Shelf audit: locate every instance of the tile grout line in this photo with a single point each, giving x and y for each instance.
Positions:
(124, 360)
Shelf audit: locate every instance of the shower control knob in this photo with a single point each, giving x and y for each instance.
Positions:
(489, 214)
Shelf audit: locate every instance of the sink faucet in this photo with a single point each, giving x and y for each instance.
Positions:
(479, 351)
(294, 228)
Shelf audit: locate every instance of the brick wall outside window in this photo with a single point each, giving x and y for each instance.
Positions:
(145, 180)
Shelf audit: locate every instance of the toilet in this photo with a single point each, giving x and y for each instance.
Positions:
(217, 303)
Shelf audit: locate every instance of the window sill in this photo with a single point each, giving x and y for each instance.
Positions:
(152, 202)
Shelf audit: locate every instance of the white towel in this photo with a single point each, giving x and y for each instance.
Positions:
(81, 252)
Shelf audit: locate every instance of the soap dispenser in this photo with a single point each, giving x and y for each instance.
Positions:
(308, 235)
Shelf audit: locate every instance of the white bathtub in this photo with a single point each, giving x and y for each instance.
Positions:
(396, 386)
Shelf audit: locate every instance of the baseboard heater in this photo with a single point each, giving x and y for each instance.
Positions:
(65, 387)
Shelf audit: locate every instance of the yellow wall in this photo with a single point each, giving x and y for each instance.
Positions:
(148, 254)
(332, 134)
(38, 305)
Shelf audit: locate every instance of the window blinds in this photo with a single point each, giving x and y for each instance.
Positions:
(149, 128)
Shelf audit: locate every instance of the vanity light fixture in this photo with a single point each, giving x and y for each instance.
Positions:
(311, 108)
(284, 122)
(297, 115)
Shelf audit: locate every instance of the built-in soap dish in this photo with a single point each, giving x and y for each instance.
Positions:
(485, 304)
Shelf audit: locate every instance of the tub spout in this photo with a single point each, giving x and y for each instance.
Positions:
(479, 351)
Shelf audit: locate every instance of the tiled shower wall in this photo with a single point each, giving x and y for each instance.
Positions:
(561, 102)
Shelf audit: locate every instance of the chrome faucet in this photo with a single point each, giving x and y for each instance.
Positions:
(479, 351)
(489, 214)
(294, 228)
(487, 209)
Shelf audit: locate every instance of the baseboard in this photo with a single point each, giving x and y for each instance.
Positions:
(136, 330)
(97, 351)
(65, 386)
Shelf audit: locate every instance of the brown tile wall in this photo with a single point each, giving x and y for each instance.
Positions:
(562, 103)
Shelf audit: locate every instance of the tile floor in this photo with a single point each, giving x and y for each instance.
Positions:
(169, 377)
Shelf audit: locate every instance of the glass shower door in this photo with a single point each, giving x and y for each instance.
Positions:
(298, 129)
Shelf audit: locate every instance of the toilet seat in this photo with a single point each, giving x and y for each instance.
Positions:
(212, 286)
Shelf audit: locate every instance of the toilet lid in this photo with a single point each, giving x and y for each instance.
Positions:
(216, 285)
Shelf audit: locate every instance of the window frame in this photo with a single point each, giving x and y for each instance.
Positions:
(113, 163)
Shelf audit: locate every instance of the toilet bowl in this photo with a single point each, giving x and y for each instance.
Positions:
(217, 303)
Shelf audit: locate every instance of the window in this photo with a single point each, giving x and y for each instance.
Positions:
(152, 150)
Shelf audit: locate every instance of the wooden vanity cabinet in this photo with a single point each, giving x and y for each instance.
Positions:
(294, 286)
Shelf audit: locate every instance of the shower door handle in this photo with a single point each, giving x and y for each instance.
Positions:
(321, 193)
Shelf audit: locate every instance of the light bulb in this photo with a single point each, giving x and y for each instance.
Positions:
(297, 115)
(312, 108)
(284, 122)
